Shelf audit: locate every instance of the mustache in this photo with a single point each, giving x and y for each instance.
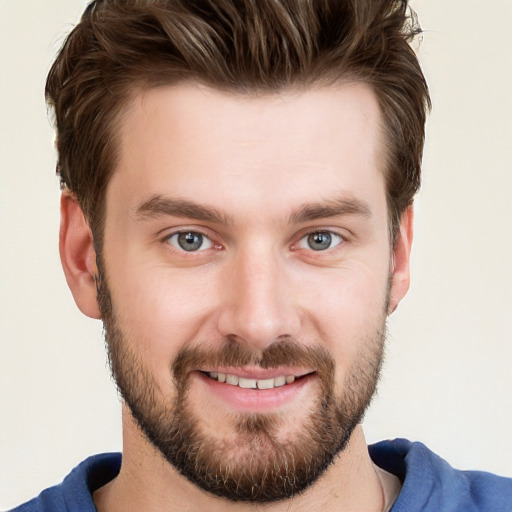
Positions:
(282, 352)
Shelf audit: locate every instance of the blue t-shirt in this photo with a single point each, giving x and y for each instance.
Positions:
(429, 483)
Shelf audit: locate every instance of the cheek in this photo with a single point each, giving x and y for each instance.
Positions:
(161, 309)
(348, 298)
(349, 314)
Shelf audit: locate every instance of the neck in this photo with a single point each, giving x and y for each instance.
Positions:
(147, 482)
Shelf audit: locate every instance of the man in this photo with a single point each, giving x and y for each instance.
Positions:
(237, 208)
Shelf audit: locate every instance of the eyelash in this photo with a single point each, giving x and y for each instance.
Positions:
(333, 238)
(195, 233)
(306, 238)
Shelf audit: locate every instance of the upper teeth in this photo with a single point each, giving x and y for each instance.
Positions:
(234, 380)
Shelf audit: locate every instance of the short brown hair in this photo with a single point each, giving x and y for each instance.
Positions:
(244, 46)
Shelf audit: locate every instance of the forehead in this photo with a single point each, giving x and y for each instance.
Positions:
(192, 141)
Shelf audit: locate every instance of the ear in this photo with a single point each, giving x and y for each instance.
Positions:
(400, 265)
(77, 255)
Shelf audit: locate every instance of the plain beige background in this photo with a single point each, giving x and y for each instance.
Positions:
(447, 380)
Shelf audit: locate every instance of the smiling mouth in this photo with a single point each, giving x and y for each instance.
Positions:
(235, 380)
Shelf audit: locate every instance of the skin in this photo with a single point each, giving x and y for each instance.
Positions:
(256, 162)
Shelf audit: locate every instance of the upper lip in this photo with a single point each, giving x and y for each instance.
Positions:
(258, 373)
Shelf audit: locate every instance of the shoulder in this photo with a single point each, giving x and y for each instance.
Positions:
(429, 483)
(75, 491)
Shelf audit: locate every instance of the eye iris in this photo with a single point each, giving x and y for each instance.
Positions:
(319, 241)
(190, 241)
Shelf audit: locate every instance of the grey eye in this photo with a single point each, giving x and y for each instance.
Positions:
(190, 241)
(320, 241)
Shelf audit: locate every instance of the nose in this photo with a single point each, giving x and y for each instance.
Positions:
(258, 300)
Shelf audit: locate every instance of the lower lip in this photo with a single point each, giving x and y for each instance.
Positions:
(254, 400)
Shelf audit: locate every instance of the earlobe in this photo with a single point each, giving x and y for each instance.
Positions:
(77, 255)
(400, 270)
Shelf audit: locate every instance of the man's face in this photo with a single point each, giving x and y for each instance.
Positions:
(247, 264)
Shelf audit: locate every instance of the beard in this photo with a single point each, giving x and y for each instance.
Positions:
(256, 462)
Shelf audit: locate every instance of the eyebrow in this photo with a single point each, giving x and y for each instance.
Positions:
(331, 208)
(158, 206)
